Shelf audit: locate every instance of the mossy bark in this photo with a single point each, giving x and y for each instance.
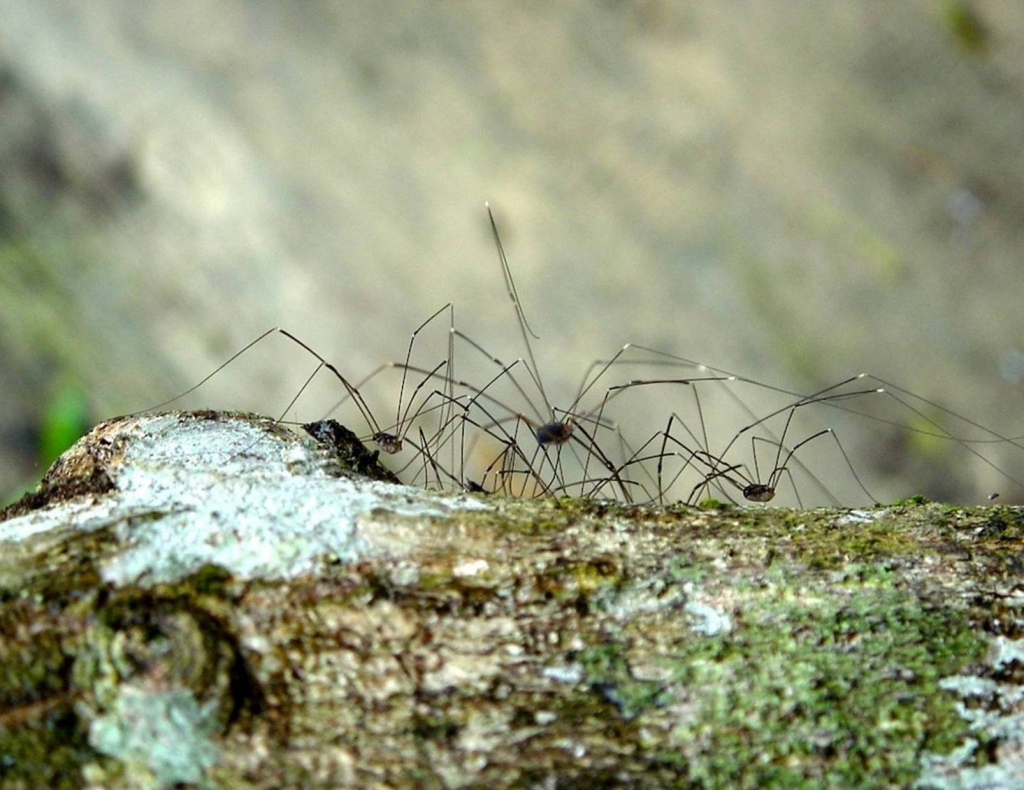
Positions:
(500, 643)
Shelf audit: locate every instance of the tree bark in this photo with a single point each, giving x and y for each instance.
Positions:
(207, 599)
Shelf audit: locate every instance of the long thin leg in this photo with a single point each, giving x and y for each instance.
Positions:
(206, 378)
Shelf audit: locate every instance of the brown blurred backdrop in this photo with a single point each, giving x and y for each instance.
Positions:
(793, 190)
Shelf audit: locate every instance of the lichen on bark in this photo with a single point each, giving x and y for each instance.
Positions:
(315, 629)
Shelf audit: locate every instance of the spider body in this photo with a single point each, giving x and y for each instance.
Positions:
(388, 442)
(554, 433)
(758, 492)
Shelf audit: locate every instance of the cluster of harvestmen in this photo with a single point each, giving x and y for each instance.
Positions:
(455, 434)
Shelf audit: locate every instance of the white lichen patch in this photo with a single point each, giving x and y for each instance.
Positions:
(1007, 653)
(565, 673)
(470, 567)
(856, 517)
(163, 738)
(994, 709)
(707, 620)
(639, 597)
(233, 492)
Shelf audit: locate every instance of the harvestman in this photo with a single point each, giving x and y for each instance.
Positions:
(557, 428)
(553, 427)
(550, 426)
(393, 438)
(757, 489)
(390, 439)
(453, 413)
(752, 485)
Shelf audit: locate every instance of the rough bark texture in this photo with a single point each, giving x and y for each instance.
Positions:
(206, 599)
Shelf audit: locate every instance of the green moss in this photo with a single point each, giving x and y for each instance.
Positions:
(868, 543)
(822, 539)
(1002, 524)
(170, 630)
(842, 689)
(608, 673)
(207, 580)
(435, 727)
(66, 654)
(42, 739)
(916, 499)
(580, 579)
(46, 747)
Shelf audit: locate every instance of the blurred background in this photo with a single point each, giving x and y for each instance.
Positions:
(796, 191)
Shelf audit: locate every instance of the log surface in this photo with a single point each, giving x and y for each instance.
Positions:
(205, 598)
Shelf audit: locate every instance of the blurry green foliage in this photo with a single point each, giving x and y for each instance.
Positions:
(64, 420)
(965, 25)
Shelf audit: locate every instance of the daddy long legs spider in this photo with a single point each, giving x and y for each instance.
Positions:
(462, 405)
(411, 407)
(746, 477)
(452, 413)
(553, 450)
(553, 429)
(392, 438)
(885, 404)
(567, 454)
